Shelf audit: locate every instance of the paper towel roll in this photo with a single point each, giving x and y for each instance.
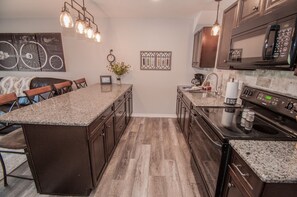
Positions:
(231, 93)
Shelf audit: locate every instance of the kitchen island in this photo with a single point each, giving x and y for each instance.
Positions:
(70, 138)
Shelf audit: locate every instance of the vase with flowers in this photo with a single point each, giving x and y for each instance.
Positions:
(119, 69)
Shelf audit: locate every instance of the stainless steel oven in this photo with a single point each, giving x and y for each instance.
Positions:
(211, 128)
(209, 153)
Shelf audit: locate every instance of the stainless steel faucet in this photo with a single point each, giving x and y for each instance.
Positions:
(217, 79)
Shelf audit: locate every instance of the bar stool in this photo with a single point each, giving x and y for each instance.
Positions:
(80, 83)
(64, 87)
(15, 140)
(38, 94)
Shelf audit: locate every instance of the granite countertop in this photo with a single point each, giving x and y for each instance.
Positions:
(272, 161)
(205, 99)
(77, 108)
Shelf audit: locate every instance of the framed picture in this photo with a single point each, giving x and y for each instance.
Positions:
(105, 79)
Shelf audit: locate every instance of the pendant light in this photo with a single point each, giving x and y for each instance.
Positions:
(215, 30)
(89, 32)
(97, 36)
(80, 26)
(66, 19)
(83, 22)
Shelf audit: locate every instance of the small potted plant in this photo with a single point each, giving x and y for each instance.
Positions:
(119, 69)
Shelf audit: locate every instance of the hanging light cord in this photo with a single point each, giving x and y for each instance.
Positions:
(218, 11)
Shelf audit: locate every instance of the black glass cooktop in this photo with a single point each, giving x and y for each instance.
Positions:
(227, 122)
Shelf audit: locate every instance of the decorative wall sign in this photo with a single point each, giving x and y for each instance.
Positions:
(155, 60)
(31, 52)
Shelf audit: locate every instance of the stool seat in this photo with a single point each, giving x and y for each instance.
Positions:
(13, 140)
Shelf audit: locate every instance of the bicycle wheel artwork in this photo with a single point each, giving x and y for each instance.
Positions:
(32, 52)
(8, 56)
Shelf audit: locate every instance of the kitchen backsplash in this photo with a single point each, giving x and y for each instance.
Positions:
(279, 81)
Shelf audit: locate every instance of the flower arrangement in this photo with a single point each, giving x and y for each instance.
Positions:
(119, 68)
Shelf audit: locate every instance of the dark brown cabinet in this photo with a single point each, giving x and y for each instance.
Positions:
(183, 111)
(204, 49)
(242, 181)
(249, 9)
(270, 5)
(109, 136)
(232, 189)
(129, 105)
(97, 152)
(228, 24)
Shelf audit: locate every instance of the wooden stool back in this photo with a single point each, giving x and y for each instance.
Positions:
(81, 83)
(41, 93)
(64, 87)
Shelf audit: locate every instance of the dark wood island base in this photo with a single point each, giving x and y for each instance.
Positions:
(70, 160)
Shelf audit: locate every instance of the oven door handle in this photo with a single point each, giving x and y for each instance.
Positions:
(214, 142)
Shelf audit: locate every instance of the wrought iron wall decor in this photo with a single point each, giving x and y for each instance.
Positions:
(31, 52)
(155, 60)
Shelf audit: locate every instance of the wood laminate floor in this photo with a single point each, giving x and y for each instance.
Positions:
(152, 160)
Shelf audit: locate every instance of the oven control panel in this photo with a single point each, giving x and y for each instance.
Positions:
(275, 102)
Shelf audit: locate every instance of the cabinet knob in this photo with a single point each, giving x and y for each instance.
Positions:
(230, 185)
(225, 61)
(102, 134)
(255, 8)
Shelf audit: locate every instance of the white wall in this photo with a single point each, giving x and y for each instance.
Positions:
(83, 57)
(154, 91)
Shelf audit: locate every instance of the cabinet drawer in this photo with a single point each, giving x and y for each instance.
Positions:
(98, 121)
(119, 128)
(118, 102)
(248, 179)
(119, 112)
(187, 102)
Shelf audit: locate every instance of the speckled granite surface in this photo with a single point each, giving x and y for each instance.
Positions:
(272, 161)
(77, 108)
(207, 99)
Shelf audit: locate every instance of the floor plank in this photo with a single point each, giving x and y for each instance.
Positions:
(151, 160)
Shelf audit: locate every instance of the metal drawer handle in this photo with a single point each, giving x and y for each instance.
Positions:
(255, 8)
(102, 134)
(230, 185)
(237, 168)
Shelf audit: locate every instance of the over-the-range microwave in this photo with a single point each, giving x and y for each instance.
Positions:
(271, 46)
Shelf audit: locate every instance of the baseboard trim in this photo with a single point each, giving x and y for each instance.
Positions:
(154, 115)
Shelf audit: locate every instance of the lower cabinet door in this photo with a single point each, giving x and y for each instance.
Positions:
(97, 153)
(119, 127)
(231, 186)
(109, 136)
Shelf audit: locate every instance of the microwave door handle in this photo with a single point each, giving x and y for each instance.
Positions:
(267, 41)
(293, 51)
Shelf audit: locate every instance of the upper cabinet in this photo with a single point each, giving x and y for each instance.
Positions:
(229, 22)
(273, 4)
(204, 49)
(249, 9)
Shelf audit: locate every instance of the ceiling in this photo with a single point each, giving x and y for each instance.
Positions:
(110, 8)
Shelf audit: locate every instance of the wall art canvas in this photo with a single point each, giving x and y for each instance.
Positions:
(31, 52)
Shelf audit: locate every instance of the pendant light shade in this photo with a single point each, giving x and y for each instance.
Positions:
(66, 19)
(80, 26)
(215, 30)
(97, 36)
(89, 33)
